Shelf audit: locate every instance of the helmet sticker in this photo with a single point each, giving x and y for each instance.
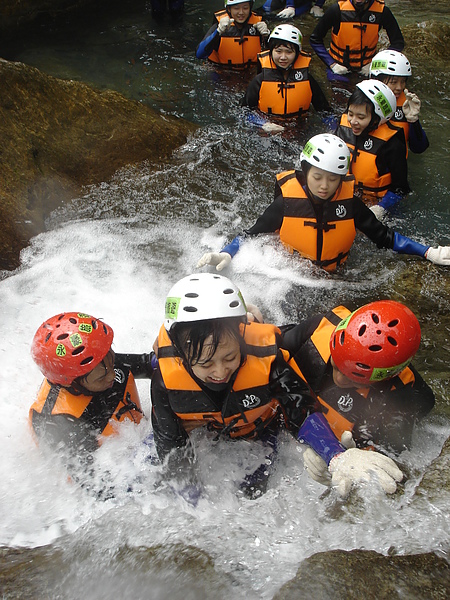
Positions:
(343, 324)
(85, 327)
(386, 373)
(242, 300)
(172, 305)
(76, 340)
(383, 103)
(84, 316)
(309, 149)
(378, 64)
(60, 350)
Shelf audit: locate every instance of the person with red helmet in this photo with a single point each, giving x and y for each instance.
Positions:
(88, 389)
(359, 365)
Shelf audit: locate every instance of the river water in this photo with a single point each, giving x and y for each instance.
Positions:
(115, 252)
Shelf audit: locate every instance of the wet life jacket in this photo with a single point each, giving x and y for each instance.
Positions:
(238, 47)
(370, 184)
(346, 408)
(327, 243)
(248, 407)
(100, 412)
(399, 119)
(355, 44)
(280, 97)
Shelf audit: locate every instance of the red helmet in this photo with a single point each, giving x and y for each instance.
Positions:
(375, 342)
(70, 345)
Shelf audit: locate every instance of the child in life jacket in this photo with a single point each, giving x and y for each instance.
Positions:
(394, 69)
(359, 365)
(88, 389)
(284, 87)
(216, 370)
(236, 37)
(293, 8)
(378, 147)
(317, 214)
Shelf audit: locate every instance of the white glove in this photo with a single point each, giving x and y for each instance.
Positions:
(272, 128)
(262, 29)
(439, 255)
(224, 24)
(339, 69)
(287, 13)
(365, 70)
(355, 465)
(411, 107)
(316, 11)
(315, 465)
(254, 314)
(220, 260)
(378, 211)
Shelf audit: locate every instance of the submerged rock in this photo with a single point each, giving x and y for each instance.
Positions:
(343, 575)
(60, 135)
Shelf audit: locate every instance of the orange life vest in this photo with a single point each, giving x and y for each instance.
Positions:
(399, 119)
(326, 243)
(370, 184)
(280, 97)
(355, 44)
(56, 400)
(238, 48)
(253, 407)
(340, 417)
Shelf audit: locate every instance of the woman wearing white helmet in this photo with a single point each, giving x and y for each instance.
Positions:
(230, 377)
(284, 87)
(394, 69)
(236, 37)
(317, 214)
(378, 148)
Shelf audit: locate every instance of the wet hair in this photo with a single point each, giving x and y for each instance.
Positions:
(189, 339)
(358, 98)
(387, 79)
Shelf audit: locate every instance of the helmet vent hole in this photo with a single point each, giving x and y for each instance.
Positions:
(73, 321)
(362, 330)
(342, 338)
(393, 323)
(392, 341)
(105, 331)
(190, 309)
(48, 336)
(94, 324)
(360, 375)
(87, 360)
(228, 291)
(191, 295)
(375, 348)
(234, 304)
(78, 350)
(362, 366)
(63, 336)
(375, 318)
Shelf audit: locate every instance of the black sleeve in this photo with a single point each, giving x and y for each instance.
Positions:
(319, 100)
(389, 23)
(293, 337)
(367, 223)
(167, 429)
(331, 19)
(139, 364)
(392, 159)
(272, 218)
(251, 97)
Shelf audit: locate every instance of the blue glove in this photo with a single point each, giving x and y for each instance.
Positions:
(316, 432)
(403, 245)
(330, 122)
(335, 77)
(389, 200)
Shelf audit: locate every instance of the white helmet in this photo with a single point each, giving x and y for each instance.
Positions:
(328, 152)
(287, 33)
(234, 2)
(390, 62)
(381, 97)
(203, 296)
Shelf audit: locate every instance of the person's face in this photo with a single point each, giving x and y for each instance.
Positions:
(396, 84)
(322, 184)
(341, 380)
(358, 117)
(283, 56)
(360, 4)
(102, 376)
(219, 367)
(240, 13)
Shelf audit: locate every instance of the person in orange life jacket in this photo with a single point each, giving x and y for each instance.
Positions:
(354, 25)
(88, 389)
(284, 87)
(218, 371)
(378, 147)
(293, 8)
(393, 69)
(317, 214)
(236, 37)
(358, 363)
